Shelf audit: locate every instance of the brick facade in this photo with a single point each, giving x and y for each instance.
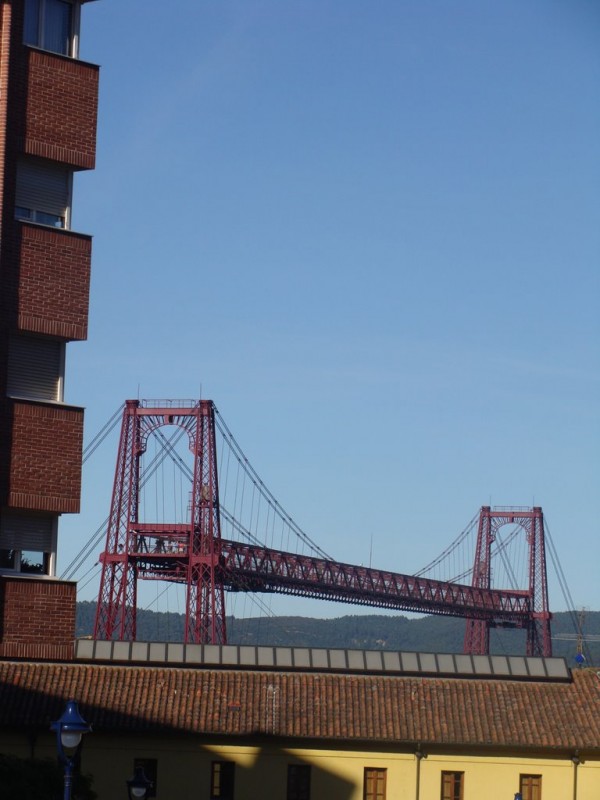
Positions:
(45, 281)
(5, 40)
(45, 458)
(53, 282)
(61, 107)
(37, 618)
(48, 110)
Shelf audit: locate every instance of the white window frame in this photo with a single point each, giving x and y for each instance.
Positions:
(73, 49)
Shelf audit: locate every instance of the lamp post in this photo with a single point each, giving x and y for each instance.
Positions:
(137, 787)
(69, 732)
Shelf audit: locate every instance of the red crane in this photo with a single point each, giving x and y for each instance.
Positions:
(195, 554)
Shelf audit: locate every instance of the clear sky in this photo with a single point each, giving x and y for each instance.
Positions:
(369, 231)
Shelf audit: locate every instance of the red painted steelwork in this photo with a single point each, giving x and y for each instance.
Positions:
(251, 568)
(161, 553)
(195, 555)
(531, 521)
(205, 603)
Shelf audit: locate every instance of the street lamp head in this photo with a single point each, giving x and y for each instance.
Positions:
(70, 740)
(69, 729)
(138, 786)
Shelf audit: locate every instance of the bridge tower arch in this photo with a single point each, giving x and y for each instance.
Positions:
(531, 521)
(194, 558)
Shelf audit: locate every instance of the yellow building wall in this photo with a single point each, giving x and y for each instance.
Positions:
(184, 767)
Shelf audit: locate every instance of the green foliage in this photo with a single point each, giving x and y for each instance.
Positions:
(372, 632)
(38, 779)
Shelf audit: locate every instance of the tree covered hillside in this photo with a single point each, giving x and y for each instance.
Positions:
(374, 632)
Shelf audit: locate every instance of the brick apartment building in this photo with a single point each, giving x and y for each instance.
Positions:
(48, 109)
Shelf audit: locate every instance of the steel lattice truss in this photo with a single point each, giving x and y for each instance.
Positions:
(194, 554)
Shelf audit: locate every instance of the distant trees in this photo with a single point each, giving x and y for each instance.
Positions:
(364, 632)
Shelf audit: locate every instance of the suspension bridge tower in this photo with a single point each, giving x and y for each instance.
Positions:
(187, 553)
(531, 521)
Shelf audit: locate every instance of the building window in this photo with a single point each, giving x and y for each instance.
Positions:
(43, 193)
(530, 787)
(150, 767)
(51, 25)
(29, 562)
(27, 542)
(41, 217)
(298, 782)
(374, 783)
(452, 785)
(36, 368)
(221, 780)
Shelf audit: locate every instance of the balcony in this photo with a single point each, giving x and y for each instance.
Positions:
(61, 106)
(52, 281)
(45, 456)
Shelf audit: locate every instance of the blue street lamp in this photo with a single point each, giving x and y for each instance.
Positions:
(137, 787)
(69, 732)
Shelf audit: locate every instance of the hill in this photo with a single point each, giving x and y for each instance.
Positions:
(373, 632)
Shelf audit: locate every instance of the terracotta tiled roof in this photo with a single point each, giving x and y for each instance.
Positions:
(393, 709)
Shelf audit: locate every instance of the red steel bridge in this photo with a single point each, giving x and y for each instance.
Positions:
(193, 552)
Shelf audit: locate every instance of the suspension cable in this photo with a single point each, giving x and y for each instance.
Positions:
(93, 541)
(564, 588)
(101, 435)
(269, 497)
(459, 540)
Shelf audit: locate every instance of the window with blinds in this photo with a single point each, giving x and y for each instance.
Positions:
(43, 192)
(27, 542)
(374, 783)
(36, 368)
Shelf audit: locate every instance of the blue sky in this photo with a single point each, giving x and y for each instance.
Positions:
(369, 232)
